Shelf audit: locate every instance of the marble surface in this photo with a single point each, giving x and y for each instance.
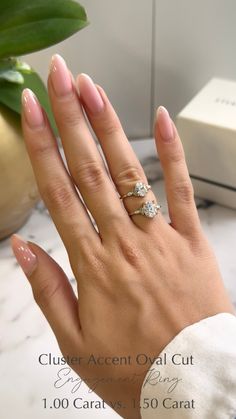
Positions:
(25, 334)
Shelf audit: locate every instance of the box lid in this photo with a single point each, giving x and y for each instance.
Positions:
(215, 104)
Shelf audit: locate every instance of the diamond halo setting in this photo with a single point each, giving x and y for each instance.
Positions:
(149, 209)
(140, 190)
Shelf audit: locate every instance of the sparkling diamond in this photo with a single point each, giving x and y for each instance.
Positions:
(150, 209)
(140, 189)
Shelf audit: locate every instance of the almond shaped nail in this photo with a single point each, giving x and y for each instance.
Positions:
(60, 76)
(90, 94)
(32, 109)
(165, 124)
(24, 255)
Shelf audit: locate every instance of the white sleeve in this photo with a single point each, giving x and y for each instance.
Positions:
(195, 375)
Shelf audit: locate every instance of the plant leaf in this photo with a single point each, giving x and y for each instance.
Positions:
(9, 71)
(28, 25)
(12, 76)
(10, 94)
(24, 67)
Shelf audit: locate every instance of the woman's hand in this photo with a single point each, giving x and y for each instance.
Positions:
(140, 280)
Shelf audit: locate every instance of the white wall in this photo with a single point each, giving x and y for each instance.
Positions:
(142, 64)
(115, 49)
(195, 41)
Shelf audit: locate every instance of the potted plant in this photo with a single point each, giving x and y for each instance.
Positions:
(25, 26)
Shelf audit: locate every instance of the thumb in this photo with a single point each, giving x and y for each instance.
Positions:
(51, 289)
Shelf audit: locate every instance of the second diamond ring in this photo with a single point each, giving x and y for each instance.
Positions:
(149, 209)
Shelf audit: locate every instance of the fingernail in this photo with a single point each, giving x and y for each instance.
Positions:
(165, 124)
(90, 94)
(32, 109)
(24, 255)
(61, 78)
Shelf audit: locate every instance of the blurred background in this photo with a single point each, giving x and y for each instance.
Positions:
(152, 52)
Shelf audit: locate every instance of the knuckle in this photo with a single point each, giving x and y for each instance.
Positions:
(177, 156)
(117, 221)
(92, 265)
(184, 191)
(111, 127)
(96, 263)
(57, 194)
(71, 118)
(43, 146)
(114, 221)
(92, 257)
(45, 291)
(130, 251)
(128, 174)
(89, 174)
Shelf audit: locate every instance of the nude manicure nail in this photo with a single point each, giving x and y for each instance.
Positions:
(61, 78)
(90, 94)
(32, 109)
(24, 255)
(165, 124)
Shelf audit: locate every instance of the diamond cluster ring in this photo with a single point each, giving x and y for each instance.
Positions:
(140, 190)
(149, 209)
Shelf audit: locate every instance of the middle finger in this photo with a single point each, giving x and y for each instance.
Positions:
(84, 160)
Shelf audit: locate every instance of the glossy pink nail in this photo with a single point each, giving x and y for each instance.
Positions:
(32, 109)
(90, 94)
(165, 124)
(24, 255)
(61, 78)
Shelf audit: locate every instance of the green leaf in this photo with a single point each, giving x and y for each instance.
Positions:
(31, 25)
(7, 63)
(10, 94)
(13, 76)
(9, 71)
(24, 67)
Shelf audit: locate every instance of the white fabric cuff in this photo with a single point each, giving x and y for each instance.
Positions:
(195, 375)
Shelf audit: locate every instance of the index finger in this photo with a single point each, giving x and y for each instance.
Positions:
(55, 185)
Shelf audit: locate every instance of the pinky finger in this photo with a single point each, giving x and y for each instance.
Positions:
(180, 195)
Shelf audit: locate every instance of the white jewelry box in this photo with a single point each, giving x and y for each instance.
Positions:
(207, 127)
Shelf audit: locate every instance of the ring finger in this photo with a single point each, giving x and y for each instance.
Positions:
(123, 164)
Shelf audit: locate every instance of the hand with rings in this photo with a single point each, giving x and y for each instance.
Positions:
(140, 280)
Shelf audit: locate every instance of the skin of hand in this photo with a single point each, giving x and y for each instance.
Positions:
(140, 281)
